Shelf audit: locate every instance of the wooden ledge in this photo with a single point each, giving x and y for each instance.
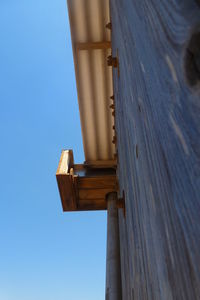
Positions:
(85, 186)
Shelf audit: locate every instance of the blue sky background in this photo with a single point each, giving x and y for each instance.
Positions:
(44, 253)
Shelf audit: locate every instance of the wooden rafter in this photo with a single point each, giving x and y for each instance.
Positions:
(93, 45)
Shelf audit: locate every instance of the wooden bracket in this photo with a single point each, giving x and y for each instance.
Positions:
(112, 61)
(112, 97)
(109, 26)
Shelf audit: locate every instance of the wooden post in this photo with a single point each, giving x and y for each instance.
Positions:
(113, 269)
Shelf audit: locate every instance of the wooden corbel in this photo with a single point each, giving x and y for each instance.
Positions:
(112, 61)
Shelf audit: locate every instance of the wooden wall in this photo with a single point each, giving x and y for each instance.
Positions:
(157, 99)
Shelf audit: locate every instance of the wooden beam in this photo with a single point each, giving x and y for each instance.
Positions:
(108, 182)
(85, 186)
(66, 162)
(93, 45)
(98, 164)
(67, 190)
(89, 194)
(66, 181)
(95, 204)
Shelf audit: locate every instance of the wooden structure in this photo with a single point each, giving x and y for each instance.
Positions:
(157, 113)
(84, 187)
(155, 130)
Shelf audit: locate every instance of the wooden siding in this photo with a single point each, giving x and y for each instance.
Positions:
(158, 125)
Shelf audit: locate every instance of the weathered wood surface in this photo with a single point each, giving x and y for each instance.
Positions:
(65, 181)
(113, 268)
(158, 127)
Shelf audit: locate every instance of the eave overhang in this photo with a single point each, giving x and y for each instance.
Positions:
(91, 42)
(84, 187)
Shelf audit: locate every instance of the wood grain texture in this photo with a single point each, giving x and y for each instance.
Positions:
(67, 192)
(97, 182)
(158, 127)
(92, 204)
(93, 193)
(66, 181)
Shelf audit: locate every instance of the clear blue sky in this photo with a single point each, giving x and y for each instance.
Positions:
(45, 254)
